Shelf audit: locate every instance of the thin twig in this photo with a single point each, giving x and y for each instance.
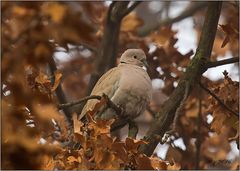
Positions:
(218, 99)
(65, 105)
(189, 11)
(110, 103)
(222, 62)
(128, 10)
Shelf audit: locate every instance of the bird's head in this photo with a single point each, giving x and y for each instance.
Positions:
(134, 57)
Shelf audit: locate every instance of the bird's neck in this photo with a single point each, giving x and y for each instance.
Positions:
(130, 65)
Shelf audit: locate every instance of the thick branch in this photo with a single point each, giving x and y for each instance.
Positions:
(165, 118)
(59, 92)
(189, 11)
(219, 100)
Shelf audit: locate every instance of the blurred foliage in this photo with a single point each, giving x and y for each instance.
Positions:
(35, 134)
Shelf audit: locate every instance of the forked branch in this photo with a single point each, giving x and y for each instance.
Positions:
(165, 117)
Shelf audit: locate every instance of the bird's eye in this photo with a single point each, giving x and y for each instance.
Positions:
(135, 57)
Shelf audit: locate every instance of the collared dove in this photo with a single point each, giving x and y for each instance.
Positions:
(127, 85)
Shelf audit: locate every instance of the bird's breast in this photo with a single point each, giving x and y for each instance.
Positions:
(136, 82)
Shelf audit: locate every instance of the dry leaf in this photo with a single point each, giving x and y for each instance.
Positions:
(174, 166)
(131, 22)
(216, 147)
(162, 36)
(46, 111)
(72, 159)
(19, 11)
(132, 144)
(55, 10)
(230, 32)
(58, 76)
(77, 124)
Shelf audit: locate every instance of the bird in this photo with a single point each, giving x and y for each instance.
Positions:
(128, 86)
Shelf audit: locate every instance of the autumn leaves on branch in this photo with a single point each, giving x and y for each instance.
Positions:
(38, 86)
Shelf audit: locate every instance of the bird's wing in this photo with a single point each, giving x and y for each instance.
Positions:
(107, 84)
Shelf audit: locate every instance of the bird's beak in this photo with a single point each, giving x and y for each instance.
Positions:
(144, 61)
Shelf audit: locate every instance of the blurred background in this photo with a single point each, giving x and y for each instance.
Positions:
(44, 37)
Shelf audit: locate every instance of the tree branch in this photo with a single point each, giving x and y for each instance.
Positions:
(128, 10)
(59, 92)
(82, 100)
(219, 100)
(108, 51)
(221, 62)
(189, 11)
(110, 103)
(165, 117)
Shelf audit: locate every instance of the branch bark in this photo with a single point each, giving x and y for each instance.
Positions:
(134, 5)
(59, 92)
(221, 62)
(163, 119)
(85, 99)
(82, 100)
(189, 11)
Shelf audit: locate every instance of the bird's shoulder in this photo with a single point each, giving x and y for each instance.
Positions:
(110, 78)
